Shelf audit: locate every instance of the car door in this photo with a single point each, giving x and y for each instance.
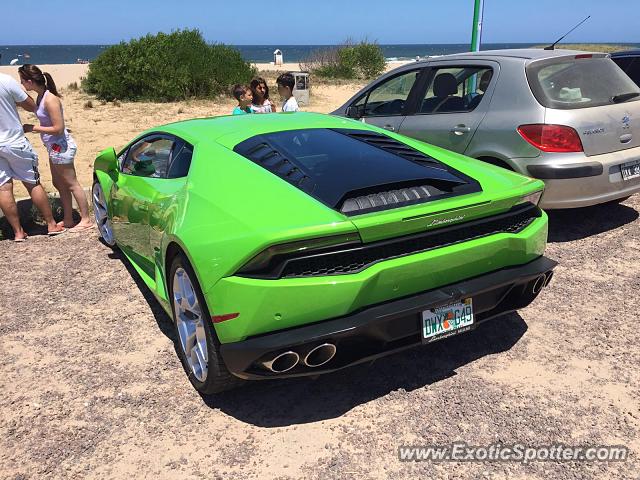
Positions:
(144, 163)
(453, 100)
(386, 102)
(163, 210)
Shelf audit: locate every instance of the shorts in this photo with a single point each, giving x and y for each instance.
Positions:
(62, 152)
(19, 162)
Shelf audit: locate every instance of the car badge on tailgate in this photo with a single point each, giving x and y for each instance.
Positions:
(626, 122)
(445, 221)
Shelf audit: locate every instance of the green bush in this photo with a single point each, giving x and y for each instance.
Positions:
(166, 67)
(362, 60)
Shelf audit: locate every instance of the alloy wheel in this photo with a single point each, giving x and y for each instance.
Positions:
(190, 326)
(101, 214)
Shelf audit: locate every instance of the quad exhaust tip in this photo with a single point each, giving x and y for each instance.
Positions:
(283, 362)
(548, 278)
(320, 355)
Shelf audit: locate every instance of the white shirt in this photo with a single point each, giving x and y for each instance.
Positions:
(290, 105)
(266, 107)
(10, 124)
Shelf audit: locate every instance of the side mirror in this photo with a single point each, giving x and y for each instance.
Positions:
(355, 111)
(107, 161)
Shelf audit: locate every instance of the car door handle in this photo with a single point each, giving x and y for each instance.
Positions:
(391, 128)
(460, 129)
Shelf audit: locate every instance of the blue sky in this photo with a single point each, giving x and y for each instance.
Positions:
(316, 22)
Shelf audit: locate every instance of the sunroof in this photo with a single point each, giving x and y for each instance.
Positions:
(335, 165)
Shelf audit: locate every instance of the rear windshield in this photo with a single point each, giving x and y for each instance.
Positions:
(570, 82)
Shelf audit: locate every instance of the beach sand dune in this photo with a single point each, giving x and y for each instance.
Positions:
(63, 75)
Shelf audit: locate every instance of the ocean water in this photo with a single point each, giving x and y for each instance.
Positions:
(57, 54)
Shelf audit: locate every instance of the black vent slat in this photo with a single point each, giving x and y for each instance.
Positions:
(355, 260)
(392, 146)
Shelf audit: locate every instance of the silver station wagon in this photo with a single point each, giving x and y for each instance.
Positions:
(569, 118)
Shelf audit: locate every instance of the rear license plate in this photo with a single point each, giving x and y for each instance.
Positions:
(443, 322)
(630, 170)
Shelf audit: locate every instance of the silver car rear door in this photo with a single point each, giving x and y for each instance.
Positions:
(448, 115)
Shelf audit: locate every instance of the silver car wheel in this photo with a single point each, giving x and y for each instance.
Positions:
(189, 322)
(102, 216)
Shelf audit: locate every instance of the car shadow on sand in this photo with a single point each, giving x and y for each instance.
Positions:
(578, 223)
(165, 324)
(277, 403)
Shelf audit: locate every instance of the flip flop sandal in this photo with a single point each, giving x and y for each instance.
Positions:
(20, 240)
(78, 228)
(56, 232)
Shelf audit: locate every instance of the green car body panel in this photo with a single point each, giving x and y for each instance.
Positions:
(220, 228)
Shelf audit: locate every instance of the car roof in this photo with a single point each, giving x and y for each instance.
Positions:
(237, 128)
(523, 53)
(626, 53)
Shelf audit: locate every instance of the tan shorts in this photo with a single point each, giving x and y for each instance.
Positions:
(19, 162)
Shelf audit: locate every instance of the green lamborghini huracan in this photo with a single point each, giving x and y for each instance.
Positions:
(299, 244)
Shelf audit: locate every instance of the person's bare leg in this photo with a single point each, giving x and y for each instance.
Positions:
(41, 201)
(61, 182)
(10, 209)
(67, 175)
(58, 186)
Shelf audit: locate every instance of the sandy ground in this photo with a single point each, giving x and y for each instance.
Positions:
(96, 125)
(92, 388)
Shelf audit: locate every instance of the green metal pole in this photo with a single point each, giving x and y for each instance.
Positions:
(476, 31)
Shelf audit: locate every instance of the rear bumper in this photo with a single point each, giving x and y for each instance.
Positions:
(385, 328)
(575, 180)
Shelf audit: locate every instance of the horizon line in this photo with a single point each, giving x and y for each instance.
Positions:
(314, 44)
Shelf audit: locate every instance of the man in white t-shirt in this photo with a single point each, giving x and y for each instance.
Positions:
(286, 84)
(18, 160)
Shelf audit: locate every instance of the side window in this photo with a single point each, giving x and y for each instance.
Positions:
(181, 161)
(457, 89)
(631, 67)
(389, 98)
(149, 157)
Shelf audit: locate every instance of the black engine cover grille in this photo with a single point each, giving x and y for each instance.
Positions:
(356, 259)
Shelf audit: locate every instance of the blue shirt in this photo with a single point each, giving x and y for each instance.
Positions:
(241, 111)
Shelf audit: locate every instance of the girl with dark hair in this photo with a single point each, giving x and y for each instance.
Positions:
(261, 102)
(58, 142)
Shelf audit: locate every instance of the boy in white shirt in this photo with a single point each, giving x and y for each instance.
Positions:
(286, 84)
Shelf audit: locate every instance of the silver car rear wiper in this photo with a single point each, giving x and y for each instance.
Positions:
(623, 97)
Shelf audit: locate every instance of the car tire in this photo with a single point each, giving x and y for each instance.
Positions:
(198, 345)
(101, 213)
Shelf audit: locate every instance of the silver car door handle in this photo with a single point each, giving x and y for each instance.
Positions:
(391, 128)
(460, 129)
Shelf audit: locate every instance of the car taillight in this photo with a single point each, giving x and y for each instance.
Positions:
(551, 138)
(266, 261)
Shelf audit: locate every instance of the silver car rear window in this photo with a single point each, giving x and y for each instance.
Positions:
(578, 82)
